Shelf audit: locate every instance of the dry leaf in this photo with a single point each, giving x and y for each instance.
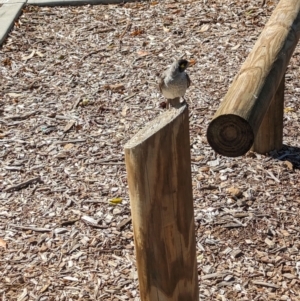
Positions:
(68, 146)
(213, 163)
(43, 248)
(84, 102)
(234, 191)
(204, 27)
(116, 87)
(172, 6)
(289, 165)
(137, 32)
(6, 62)
(39, 54)
(23, 295)
(285, 233)
(192, 62)
(142, 53)
(124, 111)
(235, 47)
(45, 287)
(2, 135)
(115, 201)
(199, 158)
(204, 168)
(288, 110)
(25, 58)
(289, 276)
(69, 125)
(89, 220)
(69, 278)
(14, 94)
(3, 243)
(269, 242)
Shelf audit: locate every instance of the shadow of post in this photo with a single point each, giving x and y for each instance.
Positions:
(288, 153)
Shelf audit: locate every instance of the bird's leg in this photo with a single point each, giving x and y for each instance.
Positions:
(175, 102)
(168, 103)
(184, 102)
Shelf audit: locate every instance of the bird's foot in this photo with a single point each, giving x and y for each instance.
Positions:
(184, 103)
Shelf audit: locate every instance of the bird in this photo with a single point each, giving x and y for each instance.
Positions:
(174, 83)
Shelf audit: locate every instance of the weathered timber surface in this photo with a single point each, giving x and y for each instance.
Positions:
(237, 121)
(269, 135)
(158, 165)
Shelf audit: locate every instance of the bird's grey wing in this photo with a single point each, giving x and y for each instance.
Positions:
(188, 80)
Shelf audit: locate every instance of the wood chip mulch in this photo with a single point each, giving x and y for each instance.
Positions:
(76, 84)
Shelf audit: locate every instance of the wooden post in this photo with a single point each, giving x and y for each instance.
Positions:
(269, 135)
(158, 165)
(236, 123)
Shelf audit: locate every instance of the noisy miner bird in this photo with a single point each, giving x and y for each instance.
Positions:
(174, 83)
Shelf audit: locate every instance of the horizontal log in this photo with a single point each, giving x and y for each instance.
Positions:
(158, 165)
(237, 121)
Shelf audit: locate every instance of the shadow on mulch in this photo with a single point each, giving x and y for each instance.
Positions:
(288, 153)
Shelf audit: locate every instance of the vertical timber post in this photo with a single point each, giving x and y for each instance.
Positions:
(158, 167)
(269, 135)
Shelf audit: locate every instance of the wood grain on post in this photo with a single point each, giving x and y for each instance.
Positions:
(269, 135)
(158, 165)
(237, 121)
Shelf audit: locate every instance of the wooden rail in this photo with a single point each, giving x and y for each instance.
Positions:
(251, 113)
(158, 166)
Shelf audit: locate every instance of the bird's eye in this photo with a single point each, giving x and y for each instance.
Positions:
(182, 66)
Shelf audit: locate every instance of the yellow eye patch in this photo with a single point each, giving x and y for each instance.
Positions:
(182, 66)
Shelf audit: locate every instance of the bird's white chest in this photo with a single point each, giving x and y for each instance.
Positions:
(175, 86)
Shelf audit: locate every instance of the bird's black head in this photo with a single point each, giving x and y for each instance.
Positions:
(182, 65)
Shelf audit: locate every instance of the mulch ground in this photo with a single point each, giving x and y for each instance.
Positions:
(76, 84)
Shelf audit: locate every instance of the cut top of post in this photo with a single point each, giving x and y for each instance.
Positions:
(154, 126)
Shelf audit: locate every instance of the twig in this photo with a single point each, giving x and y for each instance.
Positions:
(127, 28)
(273, 177)
(23, 184)
(209, 187)
(129, 96)
(110, 161)
(107, 163)
(94, 201)
(22, 117)
(70, 222)
(30, 228)
(14, 140)
(49, 206)
(96, 226)
(124, 223)
(93, 52)
(266, 284)
(70, 141)
(221, 275)
(76, 104)
(233, 225)
(104, 30)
